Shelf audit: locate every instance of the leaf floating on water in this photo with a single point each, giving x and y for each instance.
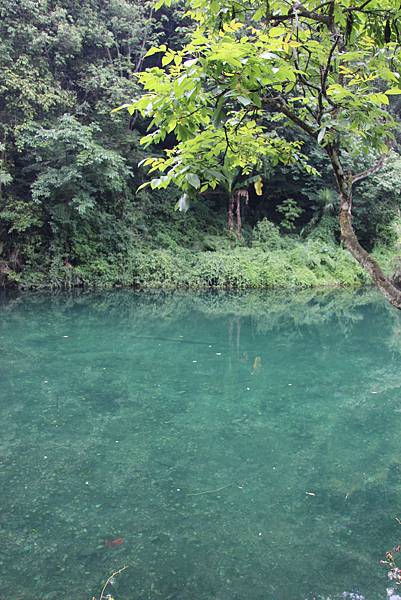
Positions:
(113, 543)
(210, 491)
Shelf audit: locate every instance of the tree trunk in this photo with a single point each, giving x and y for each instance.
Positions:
(344, 183)
(230, 214)
(239, 223)
(234, 202)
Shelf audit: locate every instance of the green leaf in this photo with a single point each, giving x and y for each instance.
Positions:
(191, 61)
(244, 100)
(168, 58)
(171, 125)
(349, 56)
(183, 203)
(126, 105)
(268, 55)
(143, 185)
(161, 3)
(218, 113)
(393, 91)
(155, 50)
(258, 185)
(193, 180)
(378, 99)
(154, 183)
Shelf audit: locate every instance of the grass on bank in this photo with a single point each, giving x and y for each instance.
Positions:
(187, 254)
(303, 265)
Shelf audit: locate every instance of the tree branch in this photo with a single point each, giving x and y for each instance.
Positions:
(297, 10)
(371, 171)
(138, 65)
(324, 76)
(327, 69)
(360, 7)
(281, 106)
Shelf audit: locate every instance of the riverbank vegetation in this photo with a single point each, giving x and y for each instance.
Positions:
(70, 210)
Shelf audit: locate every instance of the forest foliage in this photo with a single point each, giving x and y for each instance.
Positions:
(70, 168)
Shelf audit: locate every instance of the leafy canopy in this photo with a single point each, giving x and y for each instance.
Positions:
(328, 68)
(72, 169)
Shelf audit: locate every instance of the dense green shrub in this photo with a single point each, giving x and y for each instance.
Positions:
(266, 235)
(300, 265)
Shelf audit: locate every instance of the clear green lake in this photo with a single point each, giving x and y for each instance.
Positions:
(223, 446)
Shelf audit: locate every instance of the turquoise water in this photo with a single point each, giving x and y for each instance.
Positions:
(222, 446)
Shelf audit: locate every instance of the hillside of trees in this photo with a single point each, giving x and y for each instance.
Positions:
(70, 168)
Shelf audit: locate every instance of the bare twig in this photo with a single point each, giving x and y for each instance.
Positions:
(209, 492)
(138, 65)
(102, 596)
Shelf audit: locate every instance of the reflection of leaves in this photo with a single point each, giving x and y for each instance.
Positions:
(269, 310)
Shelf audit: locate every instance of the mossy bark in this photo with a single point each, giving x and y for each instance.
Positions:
(348, 236)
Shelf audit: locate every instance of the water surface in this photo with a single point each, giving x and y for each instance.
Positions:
(223, 446)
